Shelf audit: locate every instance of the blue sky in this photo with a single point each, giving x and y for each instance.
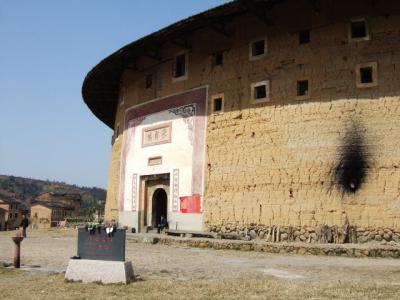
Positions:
(46, 49)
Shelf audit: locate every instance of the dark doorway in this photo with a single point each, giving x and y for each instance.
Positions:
(159, 206)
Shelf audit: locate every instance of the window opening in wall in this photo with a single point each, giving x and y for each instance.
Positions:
(260, 91)
(258, 48)
(180, 65)
(302, 88)
(149, 81)
(217, 104)
(218, 58)
(304, 37)
(366, 75)
(359, 30)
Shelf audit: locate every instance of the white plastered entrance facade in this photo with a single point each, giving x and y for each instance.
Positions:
(163, 149)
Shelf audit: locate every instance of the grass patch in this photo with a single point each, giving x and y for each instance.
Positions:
(9, 272)
(54, 287)
(37, 233)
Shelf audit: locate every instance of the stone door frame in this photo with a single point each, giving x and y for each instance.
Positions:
(148, 185)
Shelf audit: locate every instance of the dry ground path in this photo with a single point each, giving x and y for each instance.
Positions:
(51, 251)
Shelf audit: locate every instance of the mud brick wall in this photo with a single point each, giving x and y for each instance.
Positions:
(277, 167)
(41, 216)
(112, 202)
(278, 164)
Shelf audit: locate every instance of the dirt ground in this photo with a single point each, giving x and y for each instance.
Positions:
(49, 251)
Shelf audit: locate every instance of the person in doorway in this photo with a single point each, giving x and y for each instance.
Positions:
(163, 224)
(24, 225)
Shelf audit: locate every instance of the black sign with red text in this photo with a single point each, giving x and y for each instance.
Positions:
(100, 245)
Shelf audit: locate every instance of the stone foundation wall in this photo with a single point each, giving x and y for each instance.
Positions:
(323, 234)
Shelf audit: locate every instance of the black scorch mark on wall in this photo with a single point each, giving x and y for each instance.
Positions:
(353, 166)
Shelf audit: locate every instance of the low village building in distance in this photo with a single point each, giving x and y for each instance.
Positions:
(3, 216)
(276, 118)
(51, 208)
(11, 211)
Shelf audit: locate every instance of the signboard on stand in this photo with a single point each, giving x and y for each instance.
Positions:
(101, 257)
(101, 246)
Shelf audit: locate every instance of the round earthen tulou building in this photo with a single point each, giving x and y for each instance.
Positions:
(275, 118)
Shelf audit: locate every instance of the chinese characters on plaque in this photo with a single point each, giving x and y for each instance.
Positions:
(155, 135)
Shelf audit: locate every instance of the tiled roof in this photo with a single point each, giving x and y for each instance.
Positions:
(53, 204)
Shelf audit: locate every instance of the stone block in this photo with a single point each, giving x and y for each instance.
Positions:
(151, 240)
(87, 270)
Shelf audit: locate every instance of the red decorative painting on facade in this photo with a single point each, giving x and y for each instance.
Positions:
(190, 204)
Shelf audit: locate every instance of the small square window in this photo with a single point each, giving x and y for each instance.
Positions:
(180, 65)
(304, 37)
(217, 103)
(218, 58)
(367, 75)
(260, 92)
(302, 88)
(149, 81)
(257, 49)
(359, 30)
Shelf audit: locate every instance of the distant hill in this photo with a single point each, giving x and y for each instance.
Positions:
(27, 189)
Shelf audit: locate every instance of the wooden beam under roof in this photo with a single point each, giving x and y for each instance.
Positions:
(220, 28)
(181, 43)
(259, 9)
(153, 54)
(315, 5)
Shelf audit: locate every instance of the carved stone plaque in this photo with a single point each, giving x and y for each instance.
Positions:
(156, 135)
(153, 161)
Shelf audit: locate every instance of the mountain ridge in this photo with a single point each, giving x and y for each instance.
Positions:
(27, 190)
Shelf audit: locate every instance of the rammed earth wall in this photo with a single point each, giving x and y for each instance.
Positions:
(327, 162)
(285, 172)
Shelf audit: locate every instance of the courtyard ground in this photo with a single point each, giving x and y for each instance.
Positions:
(171, 272)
